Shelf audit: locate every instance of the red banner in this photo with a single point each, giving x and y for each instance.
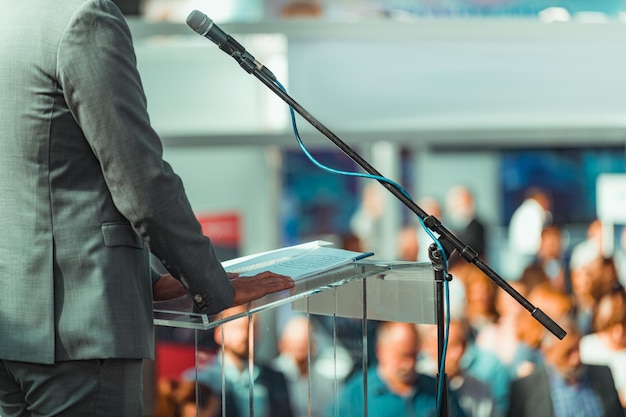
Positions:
(224, 229)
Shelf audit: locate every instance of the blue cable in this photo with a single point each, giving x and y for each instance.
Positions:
(420, 220)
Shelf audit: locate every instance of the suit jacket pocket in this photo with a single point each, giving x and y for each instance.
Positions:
(120, 234)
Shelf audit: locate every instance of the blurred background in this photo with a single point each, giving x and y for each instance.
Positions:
(499, 97)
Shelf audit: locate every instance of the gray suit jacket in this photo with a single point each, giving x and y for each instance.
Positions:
(84, 191)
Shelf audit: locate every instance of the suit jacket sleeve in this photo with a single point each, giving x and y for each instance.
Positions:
(97, 71)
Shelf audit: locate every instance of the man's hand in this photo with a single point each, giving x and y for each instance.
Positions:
(253, 287)
(167, 288)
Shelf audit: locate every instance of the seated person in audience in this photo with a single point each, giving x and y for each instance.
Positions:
(164, 402)
(350, 341)
(486, 367)
(533, 275)
(502, 338)
(200, 401)
(269, 393)
(311, 389)
(180, 398)
(583, 297)
(590, 282)
(564, 386)
(527, 222)
(480, 299)
(550, 258)
(480, 313)
(463, 220)
(589, 249)
(394, 387)
(604, 276)
(619, 256)
(607, 344)
(553, 303)
(433, 208)
(408, 246)
(474, 396)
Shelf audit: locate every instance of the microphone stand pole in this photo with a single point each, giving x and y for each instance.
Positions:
(436, 258)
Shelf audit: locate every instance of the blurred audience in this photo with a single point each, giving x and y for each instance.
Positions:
(268, 396)
(531, 333)
(432, 207)
(474, 396)
(532, 276)
(365, 222)
(487, 368)
(589, 249)
(607, 344)
(583, 296)
(564, 386)
(499, 360)
(550, 257)
(462, 220)
(603, 276)
(590, 281)
(394, 387)
(180, 398)
(480, 298)
(302, 9)
(307, 382)
(350, 241)
(408, 246)
(502, 337)
(619, 256)
(527, 222)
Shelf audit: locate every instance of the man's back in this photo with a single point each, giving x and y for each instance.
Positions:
(81, 179)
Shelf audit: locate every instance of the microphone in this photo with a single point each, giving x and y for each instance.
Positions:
(204, 26)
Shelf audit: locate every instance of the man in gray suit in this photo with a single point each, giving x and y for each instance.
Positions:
(84, 197)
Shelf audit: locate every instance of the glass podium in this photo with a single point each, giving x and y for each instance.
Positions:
(288, 353)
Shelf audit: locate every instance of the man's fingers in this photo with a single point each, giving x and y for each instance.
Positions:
(252, 287)
(270, 278)
(268, 274)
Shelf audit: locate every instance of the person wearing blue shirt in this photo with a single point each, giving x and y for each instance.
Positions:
(248, 388)
(394, 387)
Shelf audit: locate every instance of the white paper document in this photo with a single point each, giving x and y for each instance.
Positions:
(297, 261)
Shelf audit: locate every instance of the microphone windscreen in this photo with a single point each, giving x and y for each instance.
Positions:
(199, 22)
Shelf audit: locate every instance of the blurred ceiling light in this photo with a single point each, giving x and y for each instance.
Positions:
(554, 14)
(219, 11)
(591, 17)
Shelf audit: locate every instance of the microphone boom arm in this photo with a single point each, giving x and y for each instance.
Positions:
(447, 238)
(205, 27)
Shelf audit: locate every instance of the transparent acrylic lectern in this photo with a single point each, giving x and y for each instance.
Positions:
(325, 323)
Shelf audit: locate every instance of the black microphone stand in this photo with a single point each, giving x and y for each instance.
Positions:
(449, 242)
(204, 26)
(436, 258)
